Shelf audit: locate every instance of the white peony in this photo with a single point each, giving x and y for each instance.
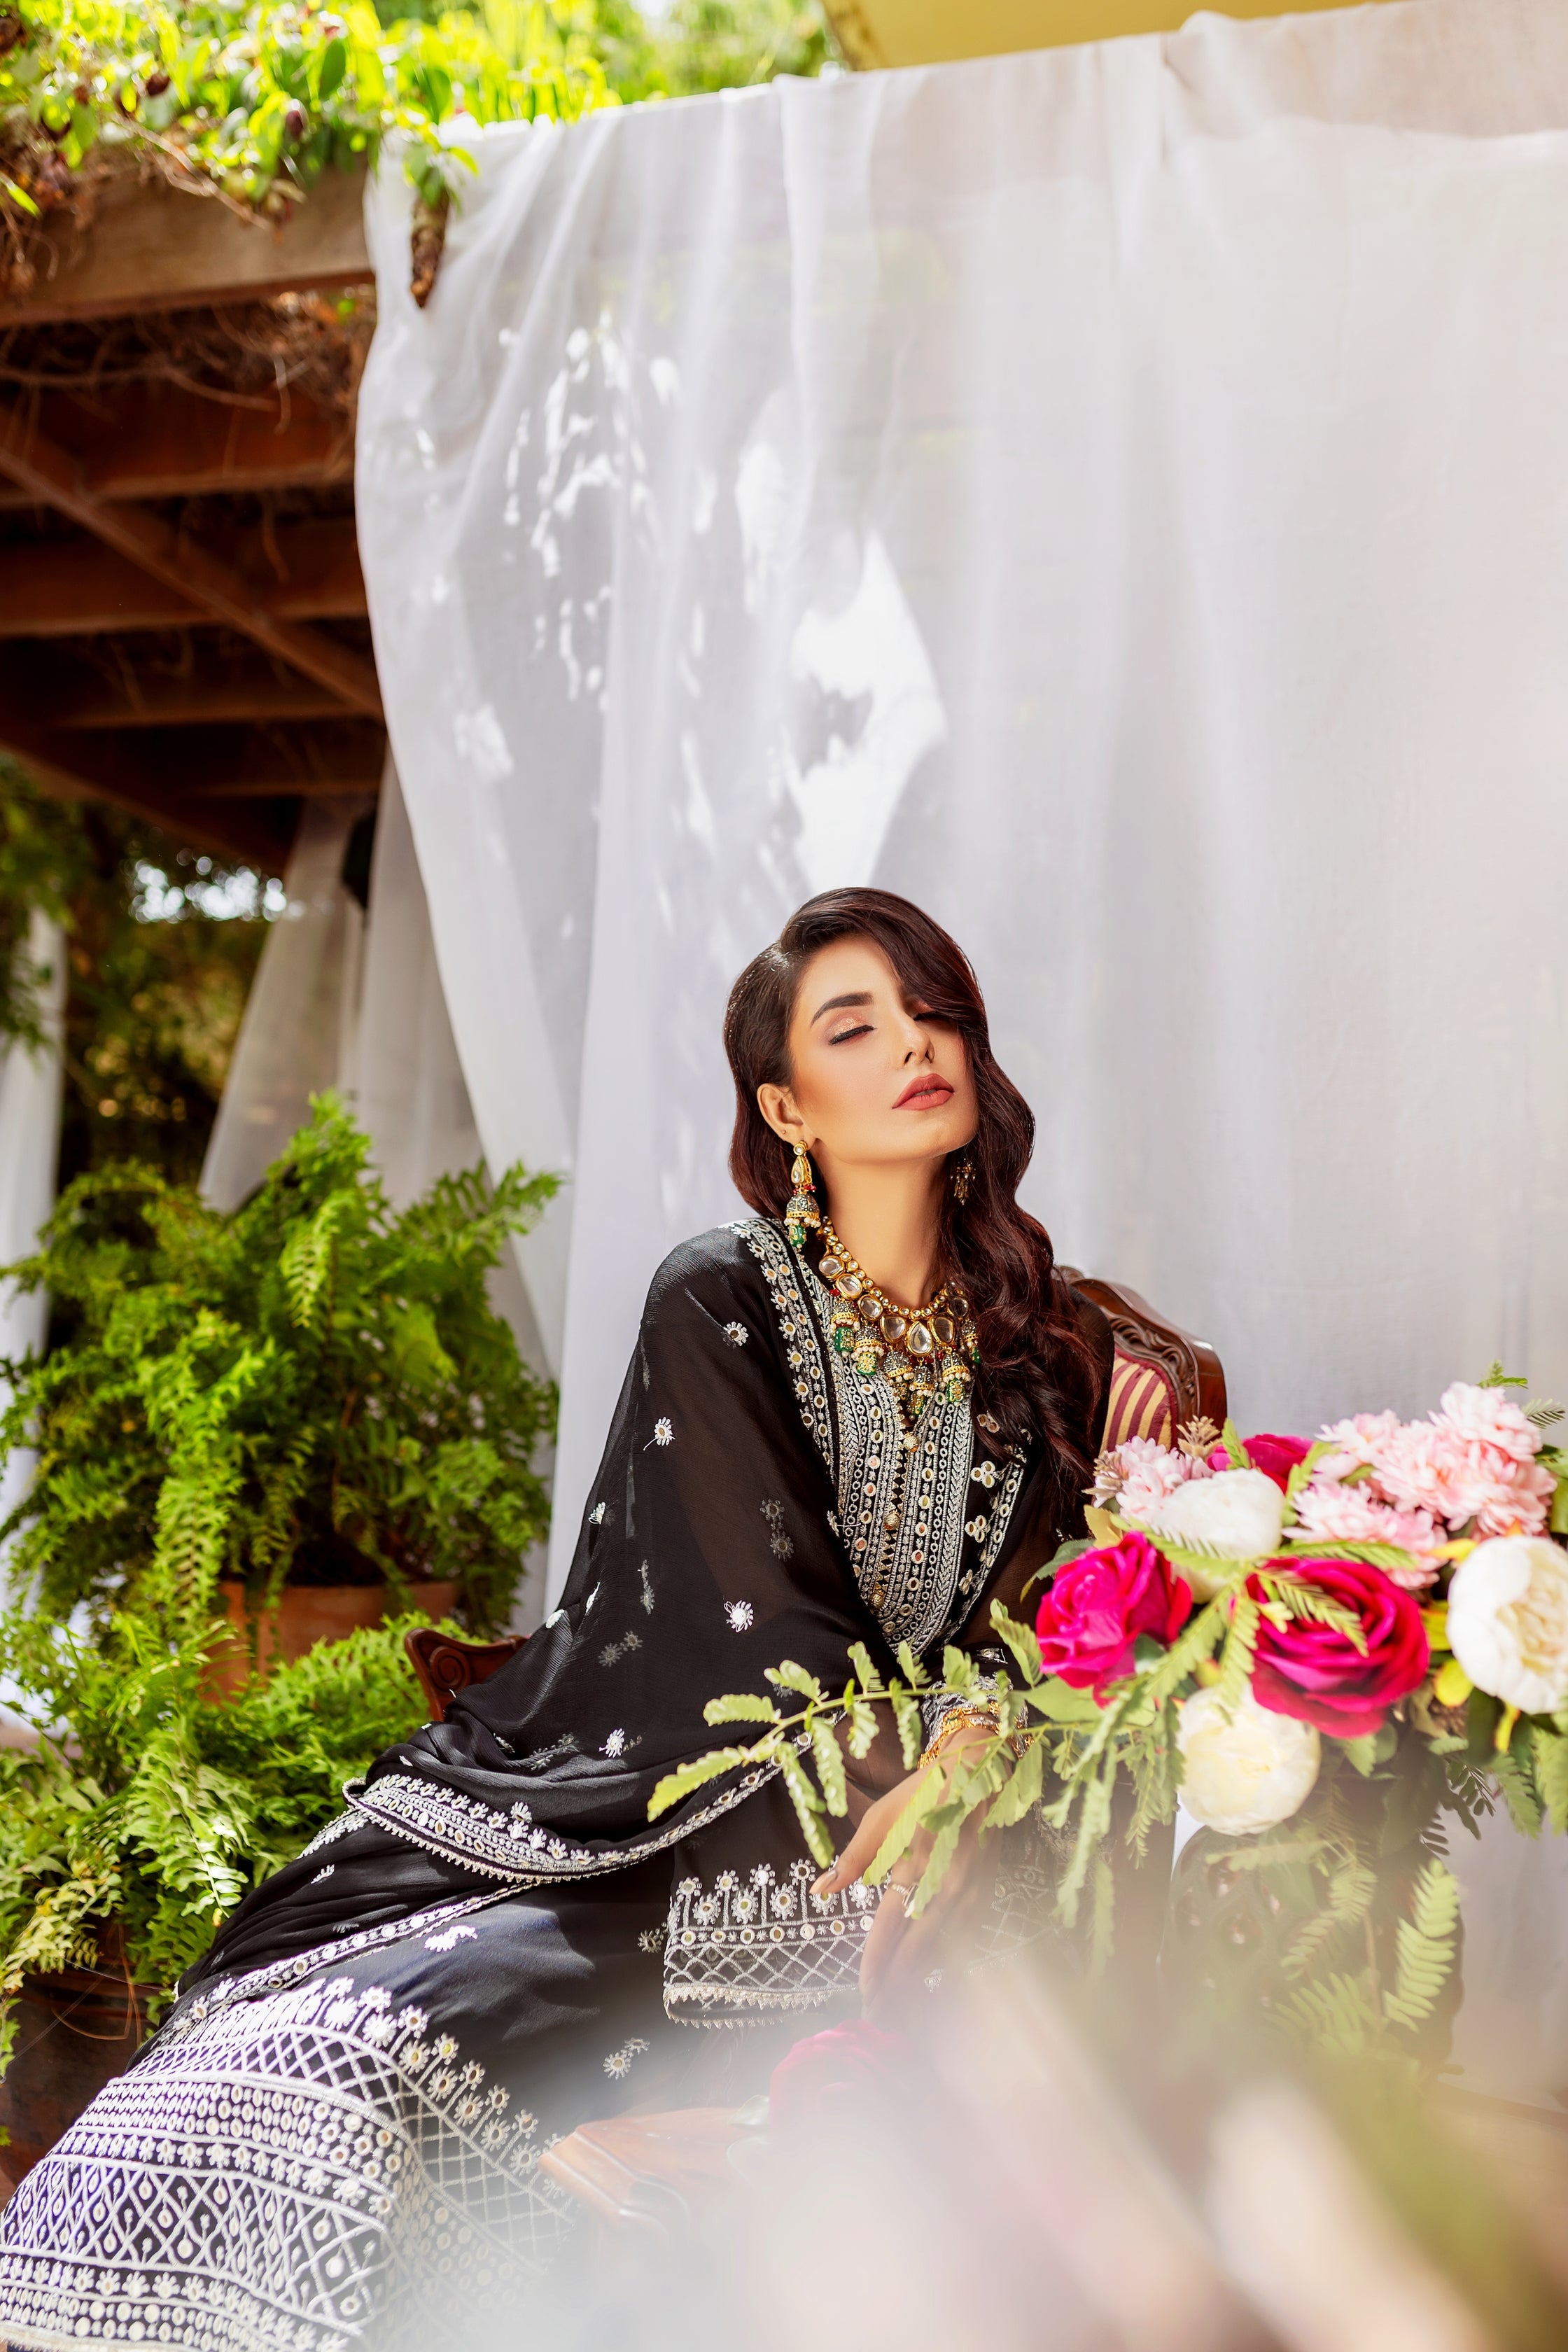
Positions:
(1246, 1770)
(1239, 1515)
(1508, 1621)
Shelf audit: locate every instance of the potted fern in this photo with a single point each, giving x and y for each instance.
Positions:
(142, 1811)
(296, 1414)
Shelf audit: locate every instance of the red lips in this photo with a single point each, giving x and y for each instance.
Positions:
(935, 1089)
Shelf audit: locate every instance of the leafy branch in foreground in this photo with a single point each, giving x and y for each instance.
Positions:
(1059, 1753)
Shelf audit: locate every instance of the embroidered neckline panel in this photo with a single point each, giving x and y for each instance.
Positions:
(919, 1578)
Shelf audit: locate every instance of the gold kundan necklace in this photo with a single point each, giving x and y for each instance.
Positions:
(919, 1352)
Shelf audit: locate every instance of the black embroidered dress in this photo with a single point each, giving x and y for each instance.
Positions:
(333, 2139)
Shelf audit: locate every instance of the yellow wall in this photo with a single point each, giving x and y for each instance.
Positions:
(923, 32)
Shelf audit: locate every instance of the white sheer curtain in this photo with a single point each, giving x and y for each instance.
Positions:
(1118, 496)
(30, 1085)
(300, 1033)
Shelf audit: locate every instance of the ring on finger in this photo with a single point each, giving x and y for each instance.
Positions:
(905, 1892)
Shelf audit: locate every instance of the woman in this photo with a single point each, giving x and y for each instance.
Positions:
(860, 1416)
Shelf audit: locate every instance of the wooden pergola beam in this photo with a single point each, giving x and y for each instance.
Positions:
(98, 688)
(151, 246)
(266, 761)
(156, 441)
(101, 767)
(54, 475)
(79, 587)
(159, 441)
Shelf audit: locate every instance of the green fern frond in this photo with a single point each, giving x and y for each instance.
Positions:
(1337, 2015)
(1426, 1944)
(1348, 1902)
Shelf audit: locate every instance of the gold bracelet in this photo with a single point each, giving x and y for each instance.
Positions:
(958, 1718)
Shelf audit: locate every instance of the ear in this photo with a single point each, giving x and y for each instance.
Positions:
(777, 1106)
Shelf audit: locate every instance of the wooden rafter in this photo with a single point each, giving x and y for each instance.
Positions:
(257, 762)
(79, 587)
(55, 476)
(99, 687)
(151, 246)
(163, 442)
(105, 768)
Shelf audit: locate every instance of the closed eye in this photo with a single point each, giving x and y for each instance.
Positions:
(860, 1029)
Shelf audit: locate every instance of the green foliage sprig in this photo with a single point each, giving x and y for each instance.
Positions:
(257, 100)
(148, 1804)
(1059, 1754)
(312, 1386)
(254, 99)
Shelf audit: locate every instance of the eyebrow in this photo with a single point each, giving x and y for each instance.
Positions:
(839, 1004)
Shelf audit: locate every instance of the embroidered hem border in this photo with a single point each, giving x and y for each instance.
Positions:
(763, 1942)
(511, 1846)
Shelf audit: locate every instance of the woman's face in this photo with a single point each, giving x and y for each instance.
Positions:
(877, 1078)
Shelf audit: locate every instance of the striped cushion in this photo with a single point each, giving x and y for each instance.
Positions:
(1142, 1403)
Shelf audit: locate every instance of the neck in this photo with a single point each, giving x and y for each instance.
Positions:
(889, 1219)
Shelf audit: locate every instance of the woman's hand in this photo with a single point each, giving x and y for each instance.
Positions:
(899, 1951)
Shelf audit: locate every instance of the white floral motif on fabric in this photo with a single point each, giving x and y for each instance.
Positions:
(741, 1615)
(618, 2065)
(743, 1946)
(664, 1431)
(736, 1334)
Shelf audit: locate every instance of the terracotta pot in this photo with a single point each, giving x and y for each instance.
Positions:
(306, 1614)
(75, 2033)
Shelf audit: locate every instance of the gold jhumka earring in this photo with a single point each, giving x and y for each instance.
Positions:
(803, 1216)
(962, 1179)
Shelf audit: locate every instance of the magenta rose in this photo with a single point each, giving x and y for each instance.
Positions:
(1316, 1673)
(1100, 1604)
(1275, 1457)
(846, 2069)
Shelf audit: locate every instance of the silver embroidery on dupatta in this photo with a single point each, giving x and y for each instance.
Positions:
(804, 1349)
(513, 1846)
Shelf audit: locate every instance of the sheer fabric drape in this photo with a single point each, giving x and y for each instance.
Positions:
(1116, 497)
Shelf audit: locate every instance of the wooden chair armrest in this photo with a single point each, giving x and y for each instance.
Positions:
(446, 1666)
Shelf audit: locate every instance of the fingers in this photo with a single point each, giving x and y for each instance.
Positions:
(864, 1846)
(857, 1857)
(890, 1929)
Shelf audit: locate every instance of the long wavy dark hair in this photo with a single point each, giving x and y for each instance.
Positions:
(1039, 1376)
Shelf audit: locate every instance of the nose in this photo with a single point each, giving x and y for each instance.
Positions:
(917, 1041)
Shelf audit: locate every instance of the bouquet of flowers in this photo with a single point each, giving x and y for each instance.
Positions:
(1351, 1635)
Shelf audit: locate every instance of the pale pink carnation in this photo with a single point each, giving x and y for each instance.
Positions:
(1359, 1443)
(1148, 1473)
(1335, 1513)
(1473, 1460)
(1488, 1417)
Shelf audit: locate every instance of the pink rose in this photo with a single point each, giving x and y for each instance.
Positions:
(1099, 1604)
(1316, 1673)
(1275, 1457)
